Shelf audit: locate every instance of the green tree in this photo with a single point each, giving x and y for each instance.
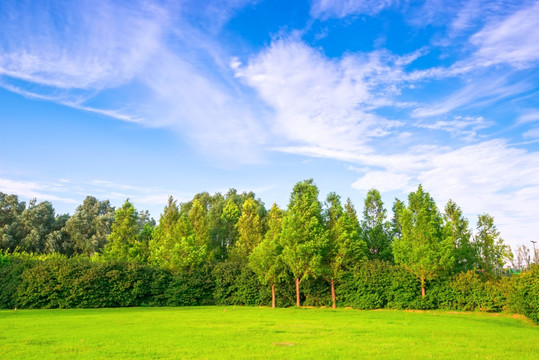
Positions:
(375, 228)
(303, 233)
(265, 260)
(175, 246)
(199, 223)
(249, 227)
(491, 250)
(36, 221)
(398, 207)
(343, 250)
(230, 216)
(123, 242)
(422, 249)
(90, 225)
(456, 227)
(11, 230)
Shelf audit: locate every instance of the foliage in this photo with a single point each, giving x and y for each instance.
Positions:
(423, 249)
(90, 225)
(235, 284)
(303, 233)
(524, 293)
(375, 228)
(491, 250)
(456, 227)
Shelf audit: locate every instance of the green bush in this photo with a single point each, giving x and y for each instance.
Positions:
(367, 287)
(237, 284)
(190, 288)
(524, 294)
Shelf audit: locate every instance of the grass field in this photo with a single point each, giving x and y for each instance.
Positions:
(262, 333)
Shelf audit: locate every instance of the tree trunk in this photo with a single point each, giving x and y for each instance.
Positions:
(272, 295)
(422, 287)
(297, 293)
(334, 306)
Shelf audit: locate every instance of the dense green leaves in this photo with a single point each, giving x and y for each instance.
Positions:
(423, 248)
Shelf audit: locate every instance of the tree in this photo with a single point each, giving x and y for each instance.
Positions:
(175, 245)
(123, 242)
(422, 248)
(457, 228)
(491, 250)
(265, 260)
(197, 217)
(376, 231)
(342, 250)
(11, 231)
(230, 216)
(302, 233)
(398, 207)
(249, 227)
(90, 226)
(36, 222)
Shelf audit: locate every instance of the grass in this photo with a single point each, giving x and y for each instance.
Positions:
(262, 333)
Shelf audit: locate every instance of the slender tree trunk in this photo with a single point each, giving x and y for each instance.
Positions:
(334, 306)
(297, 293)
(272, 295)
(422, 287)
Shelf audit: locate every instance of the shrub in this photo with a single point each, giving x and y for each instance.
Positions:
(524, 297)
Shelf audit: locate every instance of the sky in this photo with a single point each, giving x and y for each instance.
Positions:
(146, 99)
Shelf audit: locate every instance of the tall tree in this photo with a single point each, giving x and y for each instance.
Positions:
(230, 216)
(174, 245)
(398, 207)
(491, 250)
(123, 242)
(422, 249)
(343, 249)
(199, 223)
(11, 231)
(37, 222)
(265, 260)
(249, 227)
(376, 230)
(456, 227)
(89, 227)
(302, 233)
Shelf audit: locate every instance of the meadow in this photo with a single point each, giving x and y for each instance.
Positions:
(219, 332)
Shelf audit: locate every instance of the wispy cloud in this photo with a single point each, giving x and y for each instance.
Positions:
(512, 40)
(341, 8)
(330, 98)
(141, 63)
(476, 93)
(485, 177)
(460, 126)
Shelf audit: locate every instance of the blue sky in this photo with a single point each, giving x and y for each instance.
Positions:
(145, 99)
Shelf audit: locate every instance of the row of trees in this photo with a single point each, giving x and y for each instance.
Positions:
(307, 240)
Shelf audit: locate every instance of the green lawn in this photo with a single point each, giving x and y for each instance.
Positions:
(260, 333)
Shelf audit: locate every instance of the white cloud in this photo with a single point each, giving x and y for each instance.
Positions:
(528, 117)
(488, 177)
(139, 63)
(512, 40)
(475, 94)
(531, 134)
(384, 181)
(94, 46)
(341, 8)
(460, 126)
(319, 102)
(32, 189)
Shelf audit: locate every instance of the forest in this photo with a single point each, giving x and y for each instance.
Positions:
(230, 249)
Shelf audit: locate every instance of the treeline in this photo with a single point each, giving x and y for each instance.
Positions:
(229, 249)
